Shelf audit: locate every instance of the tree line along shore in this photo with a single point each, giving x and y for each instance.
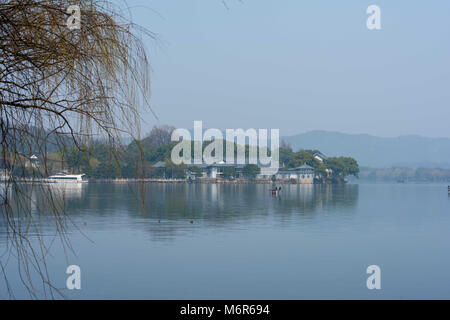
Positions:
(135, 161)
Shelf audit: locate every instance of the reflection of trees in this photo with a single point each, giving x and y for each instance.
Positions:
(214, 206)
(307, 199)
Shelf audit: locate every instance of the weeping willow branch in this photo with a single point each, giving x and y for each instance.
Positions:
(60, 88)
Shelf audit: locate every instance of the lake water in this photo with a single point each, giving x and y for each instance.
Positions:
(206, 241)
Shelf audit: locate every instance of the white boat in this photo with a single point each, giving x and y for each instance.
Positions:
(63, 177)
(4, 175)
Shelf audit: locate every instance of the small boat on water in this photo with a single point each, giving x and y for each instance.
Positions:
(275, 190)
(63, 177)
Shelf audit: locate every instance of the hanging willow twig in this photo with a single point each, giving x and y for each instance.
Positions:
(60, 88)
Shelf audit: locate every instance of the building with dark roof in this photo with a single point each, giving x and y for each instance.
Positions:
(303, 174)
(213, 171)
(319, 156)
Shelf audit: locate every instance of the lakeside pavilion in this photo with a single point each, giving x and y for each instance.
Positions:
(303, 174)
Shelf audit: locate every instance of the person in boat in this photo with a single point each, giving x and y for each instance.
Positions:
(274, 186)
(274, 189)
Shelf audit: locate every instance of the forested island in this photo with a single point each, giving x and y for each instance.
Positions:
(137, 159)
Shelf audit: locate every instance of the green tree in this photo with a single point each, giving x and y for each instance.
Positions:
(285, 154)
(229, 172)
(175, 171)
(196, 171)
(251, 170)
(303, 157)
(342, 167)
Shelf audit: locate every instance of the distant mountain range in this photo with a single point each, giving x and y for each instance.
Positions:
(377, 152)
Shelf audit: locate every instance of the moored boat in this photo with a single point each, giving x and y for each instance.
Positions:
(4, 175)
(63, 177)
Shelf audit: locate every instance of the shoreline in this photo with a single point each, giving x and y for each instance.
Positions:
(150, 180)
(198, 181)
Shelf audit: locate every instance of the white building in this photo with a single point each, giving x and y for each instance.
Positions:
(303, 174)
(319, 157)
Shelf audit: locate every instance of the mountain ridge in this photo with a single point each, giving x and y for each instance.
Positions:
(377, 152)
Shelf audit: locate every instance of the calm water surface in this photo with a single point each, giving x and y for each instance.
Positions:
(309, 242)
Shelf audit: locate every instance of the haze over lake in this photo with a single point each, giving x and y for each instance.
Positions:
(229, 241)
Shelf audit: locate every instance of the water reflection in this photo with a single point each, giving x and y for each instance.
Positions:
(244, 243)
(36, 209)
(25, 198)
(166, 209)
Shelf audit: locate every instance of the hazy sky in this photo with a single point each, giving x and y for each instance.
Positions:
(300, 65)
